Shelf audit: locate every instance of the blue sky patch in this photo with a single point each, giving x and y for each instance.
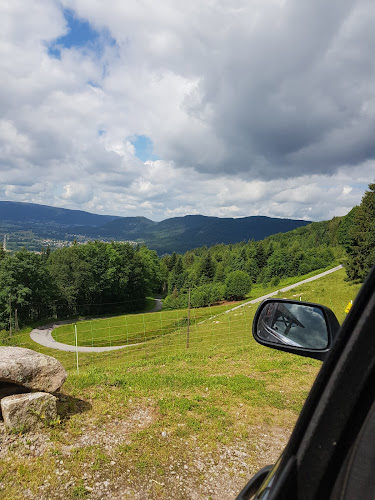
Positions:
(80, 34)
(143, 148)
(54, 52)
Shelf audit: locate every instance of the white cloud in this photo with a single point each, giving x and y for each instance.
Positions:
(77, 193)
(254, 107)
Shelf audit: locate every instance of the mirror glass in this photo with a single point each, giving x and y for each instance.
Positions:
(297, 325)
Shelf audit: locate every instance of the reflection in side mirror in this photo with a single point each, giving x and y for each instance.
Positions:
(297, 327)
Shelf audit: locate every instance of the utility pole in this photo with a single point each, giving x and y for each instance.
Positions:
(188, 323)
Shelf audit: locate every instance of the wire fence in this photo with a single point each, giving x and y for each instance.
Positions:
(133, 338)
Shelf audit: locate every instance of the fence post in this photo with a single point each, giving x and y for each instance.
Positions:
(76, 336)
(10, 317)
(188, 323)
(144, 328)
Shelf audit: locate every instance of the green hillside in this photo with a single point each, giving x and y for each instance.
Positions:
(161, 421)
(209, 272)
(34, 226)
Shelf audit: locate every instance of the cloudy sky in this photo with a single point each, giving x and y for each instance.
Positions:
(165, 108)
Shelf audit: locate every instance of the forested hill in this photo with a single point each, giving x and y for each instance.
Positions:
(28, 224)
(228, 271)
(180, 234)
(105, 278)
(32, 213)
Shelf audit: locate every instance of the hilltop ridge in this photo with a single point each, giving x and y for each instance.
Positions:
(32, 225)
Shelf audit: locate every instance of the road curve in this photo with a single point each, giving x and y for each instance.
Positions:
(43, 334)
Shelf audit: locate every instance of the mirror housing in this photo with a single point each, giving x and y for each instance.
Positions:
(302, 328)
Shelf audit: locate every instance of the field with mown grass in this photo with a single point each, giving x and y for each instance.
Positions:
(161, 420)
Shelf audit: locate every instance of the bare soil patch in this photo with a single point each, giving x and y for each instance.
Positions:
(218, 474)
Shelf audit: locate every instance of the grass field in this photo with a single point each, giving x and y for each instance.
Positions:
(161, 420)
(143, 328)
(133, 328)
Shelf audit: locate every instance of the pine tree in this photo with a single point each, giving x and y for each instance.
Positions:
(260, 256)
(361, 248)
(207, 267)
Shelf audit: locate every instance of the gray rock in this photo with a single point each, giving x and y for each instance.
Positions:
(22, 412)
(31, 369)
(10, 389)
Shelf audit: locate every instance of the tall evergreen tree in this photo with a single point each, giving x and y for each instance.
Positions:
(361, 248)
(346, 228)
(260, 256)
(207, 267)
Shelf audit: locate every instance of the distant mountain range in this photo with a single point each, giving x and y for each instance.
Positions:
(30, 225)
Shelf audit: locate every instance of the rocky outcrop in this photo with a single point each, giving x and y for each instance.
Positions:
(31, 369)
(22, 412)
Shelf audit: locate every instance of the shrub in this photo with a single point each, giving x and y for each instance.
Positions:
(238, 284)
(275, 281)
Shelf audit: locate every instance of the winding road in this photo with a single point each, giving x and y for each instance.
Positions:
(43, 334)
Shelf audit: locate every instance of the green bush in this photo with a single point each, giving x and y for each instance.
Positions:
(206, 295)
(217, 292)
(275, 281)
(238, 284)
(201, 296)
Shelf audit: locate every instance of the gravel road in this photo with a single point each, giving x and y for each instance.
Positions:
(43, 336)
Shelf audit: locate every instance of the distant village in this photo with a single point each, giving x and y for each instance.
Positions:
(41, 243)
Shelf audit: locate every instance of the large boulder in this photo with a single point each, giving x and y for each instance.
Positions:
(22, 412)
(31, 369)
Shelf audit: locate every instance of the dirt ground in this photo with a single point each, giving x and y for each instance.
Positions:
(205, 475)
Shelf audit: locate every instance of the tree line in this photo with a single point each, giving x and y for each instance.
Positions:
(357, 235)
(92, 279)
(108, 278)
(228, 271)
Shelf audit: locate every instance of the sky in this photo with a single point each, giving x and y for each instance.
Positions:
(227, 108)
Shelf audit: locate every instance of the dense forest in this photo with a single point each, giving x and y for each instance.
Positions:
(358, 237)
(107, 278)
(228, 271)
(92, 279)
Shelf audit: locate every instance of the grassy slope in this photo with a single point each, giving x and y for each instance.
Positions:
(157, 421)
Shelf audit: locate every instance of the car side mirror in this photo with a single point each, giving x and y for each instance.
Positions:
(298, 327)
